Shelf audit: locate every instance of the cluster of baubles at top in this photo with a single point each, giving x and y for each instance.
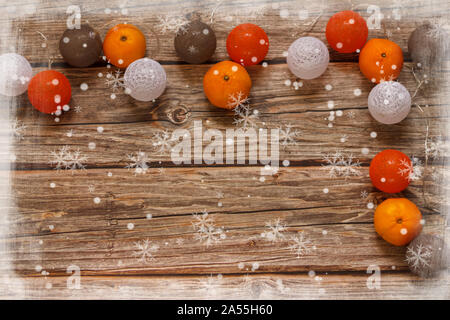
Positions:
(124, 46)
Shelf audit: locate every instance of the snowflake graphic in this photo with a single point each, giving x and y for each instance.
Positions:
(287, 135)
(246, 118)
(364, 194)
(144, 250)
(206, 232)
(163, 141)
(138, 161)
(18, 129)
(419, 256)
(411, 170)
(192, 49)
(338, 165)
(301, 245)
(238, 101)
(66, 159)
(351, 115)
(77, 109)
(211, 285)
(274, 232)
(436, 148)
(172, 23)
(115, 81)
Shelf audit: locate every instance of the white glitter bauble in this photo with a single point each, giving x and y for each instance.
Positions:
(15, 74)
(145, 79)
(308, 58)
(389, 102)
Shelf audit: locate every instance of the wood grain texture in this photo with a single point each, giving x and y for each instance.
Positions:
(99, 218)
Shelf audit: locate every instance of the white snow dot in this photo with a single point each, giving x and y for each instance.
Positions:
(328, 87)
(265, 64)
(403, 231)
(91, 145)
(55, 82)
(285, 53)
(325, 190)
(149, 216)
(57, 98)
(262, 41)
(324, 232)
(365, 150)
(357, 92)
(286, 163)
(339, 113)
(373, 134)
(120, 61)
(383, 179)
(233, 68)
(254, 59)
(130, 226)
(66, 40)
(52, 185)
(394, 67)
(370, 205)
(100, 74)
(110, 174)
(287, 83)
(96, 200)
(216, 72)
(330, 104)
(84, 86)
(339, 45)
(38, 268)
(262, 179)
(100, 129)
(373, 80)
(205, 31)
(311, 273)
(241, 265)
(351, 21)
(422, 221)
(113, 96)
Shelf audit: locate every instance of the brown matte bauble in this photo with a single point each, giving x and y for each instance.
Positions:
(426, 255)
(195, 43)
(428, 46)
(81, 47)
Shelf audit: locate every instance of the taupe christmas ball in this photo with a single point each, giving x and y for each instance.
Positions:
(428, 46)
(195, 42)
(426, 255)
(81, 47)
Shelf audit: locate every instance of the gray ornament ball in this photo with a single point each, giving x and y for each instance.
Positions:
(426, 255)
(81, 47)
(308, 58)
(15, 74)
(428, 46)
(145, 79)
(389, 102)
(195, 42)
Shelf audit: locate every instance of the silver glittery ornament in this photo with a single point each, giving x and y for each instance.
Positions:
(15, 74)
(308, 58)
(145, 79)
(389, 102)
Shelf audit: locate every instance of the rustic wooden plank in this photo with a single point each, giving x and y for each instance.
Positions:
(281, 286)
(97, 218)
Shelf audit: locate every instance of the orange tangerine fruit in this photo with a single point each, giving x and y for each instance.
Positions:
(123, 44)
(398, 221)
(227, 84)
(381, 60)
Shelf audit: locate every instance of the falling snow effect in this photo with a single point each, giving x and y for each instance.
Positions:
(339, 165)
(172, 23)
(411, 170)
(163, 141)
(18, 129)
(206, 232)
(145, 250)
(238, 101)
(436, 148)
(246, 119)
(66, 159)
(301, 245)
(114, 81)
(419, 256)
(138, 161)
(288, 136)
(274, 231)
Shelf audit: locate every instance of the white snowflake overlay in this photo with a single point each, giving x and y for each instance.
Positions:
(163, 141)
(138, 161)
(18, 129)
(172, 23)
(274, 232)
(339, 165)
(115, 81)
(144, 250)
(66, 159)
(411, 170)
(419, 256)
(301, 245)
(288, 136)
(436, 148)
(206, 232)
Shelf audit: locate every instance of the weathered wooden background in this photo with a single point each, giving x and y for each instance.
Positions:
(93, 220)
